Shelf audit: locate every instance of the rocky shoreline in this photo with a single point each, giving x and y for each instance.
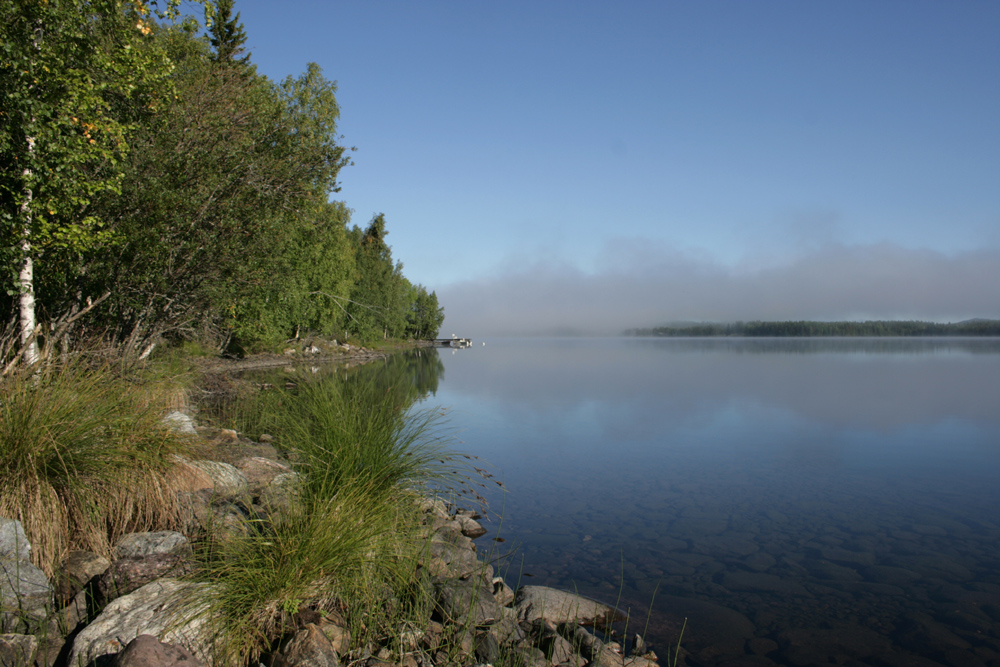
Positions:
(137, 609)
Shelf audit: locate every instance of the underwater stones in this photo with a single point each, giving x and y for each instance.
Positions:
(712, 630)
(726, 544)
(757, 581)
(845, 557)
(759, 562)
(822, 569)
(886, 574)
(698, 527)
(806, 646)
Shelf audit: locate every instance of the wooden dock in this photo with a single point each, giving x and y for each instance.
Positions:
(453, 342)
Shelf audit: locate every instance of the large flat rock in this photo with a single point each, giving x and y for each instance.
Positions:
(167, 609)
(534, 602)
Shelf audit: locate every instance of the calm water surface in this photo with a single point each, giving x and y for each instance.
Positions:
(802, 502)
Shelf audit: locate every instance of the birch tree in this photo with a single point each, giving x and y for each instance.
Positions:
(75, 76)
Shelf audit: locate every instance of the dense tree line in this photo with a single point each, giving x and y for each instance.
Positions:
(976, 327)
(156, 187)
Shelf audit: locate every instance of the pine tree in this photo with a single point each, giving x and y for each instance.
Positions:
(227, 36)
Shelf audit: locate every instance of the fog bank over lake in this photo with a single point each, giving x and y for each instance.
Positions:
(640, 283)
(861, 383)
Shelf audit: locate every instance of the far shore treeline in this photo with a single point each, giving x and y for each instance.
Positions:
(156, 187)
(977, 327)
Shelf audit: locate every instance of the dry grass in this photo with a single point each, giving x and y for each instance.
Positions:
(84, 457)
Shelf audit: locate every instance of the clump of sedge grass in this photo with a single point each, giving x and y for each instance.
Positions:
(83, 455)
(350, 538)
(342, 553)
(349, 430)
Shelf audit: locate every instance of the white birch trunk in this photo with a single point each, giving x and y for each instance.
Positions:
(26, 277)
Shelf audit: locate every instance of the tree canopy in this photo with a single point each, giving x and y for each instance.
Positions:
(154, 182)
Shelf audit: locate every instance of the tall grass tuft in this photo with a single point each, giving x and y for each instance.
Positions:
(345, 552)
(83, 454)
(352, 430)
(351, 537)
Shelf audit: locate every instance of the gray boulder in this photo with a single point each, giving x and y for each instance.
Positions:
(25, 595)
(261, 471)
(467, 601)
(179, 422)
(534, 602)
(148, 651)
(226, 479)
(130, 574)
(309, 647)
(78, 570)
(14, 543)
(470, 527)
(447, 560)
(502, 593)
(140, 545)
(172, 611)
(17, 650)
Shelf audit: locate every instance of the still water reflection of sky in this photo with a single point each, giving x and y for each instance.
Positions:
(639, 455)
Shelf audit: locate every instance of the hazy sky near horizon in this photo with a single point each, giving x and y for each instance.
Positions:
(599, 165)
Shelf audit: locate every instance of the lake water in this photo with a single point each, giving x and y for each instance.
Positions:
(801, 502)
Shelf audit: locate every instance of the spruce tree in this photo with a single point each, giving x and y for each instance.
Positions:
(227, 36)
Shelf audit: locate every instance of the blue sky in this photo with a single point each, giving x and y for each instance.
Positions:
(530, 151)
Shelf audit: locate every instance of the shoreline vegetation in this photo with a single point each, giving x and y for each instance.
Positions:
(165, 209)
(156, 189)
(298, 516)
(808, 329)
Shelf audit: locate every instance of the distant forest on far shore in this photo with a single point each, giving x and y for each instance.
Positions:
(976, 327)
